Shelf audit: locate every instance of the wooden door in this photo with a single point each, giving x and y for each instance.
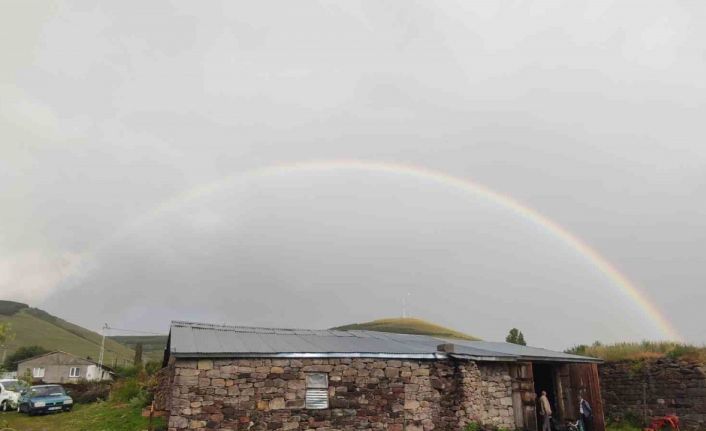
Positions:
(523, 396)
(584, 380)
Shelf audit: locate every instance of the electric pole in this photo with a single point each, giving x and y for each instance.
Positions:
(100, 356)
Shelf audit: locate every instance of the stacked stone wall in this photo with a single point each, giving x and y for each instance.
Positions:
(635, 390)
(364, 393)
(496, 396)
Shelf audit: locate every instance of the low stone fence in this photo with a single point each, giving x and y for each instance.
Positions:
(636, 391)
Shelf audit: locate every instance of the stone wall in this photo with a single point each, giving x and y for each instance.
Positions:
(495, 396)
(370, 394)
(648, 388)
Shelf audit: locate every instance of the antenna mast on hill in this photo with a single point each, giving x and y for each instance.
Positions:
(404, 305)
(100, 356)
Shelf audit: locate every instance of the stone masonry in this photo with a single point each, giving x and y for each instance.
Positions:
(364, 394)
(644, 389)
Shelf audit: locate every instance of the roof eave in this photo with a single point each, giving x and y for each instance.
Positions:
(483, 358)
(582, 360)
(305, 355)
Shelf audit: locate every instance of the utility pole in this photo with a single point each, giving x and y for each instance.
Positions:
(100, 356)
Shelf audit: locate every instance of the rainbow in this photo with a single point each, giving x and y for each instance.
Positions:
(504, 201)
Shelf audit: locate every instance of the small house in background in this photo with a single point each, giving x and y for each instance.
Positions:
(232, 377)
(62, 367)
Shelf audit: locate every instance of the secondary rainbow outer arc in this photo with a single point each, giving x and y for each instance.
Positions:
(651, 311)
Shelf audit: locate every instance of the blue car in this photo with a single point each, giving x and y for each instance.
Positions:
(44, 399)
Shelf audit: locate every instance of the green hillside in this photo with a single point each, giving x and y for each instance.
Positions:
(152, 345)
(407, 325)
(32, 326)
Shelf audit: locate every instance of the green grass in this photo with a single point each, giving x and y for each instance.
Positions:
(32, 326)
(622, 427)
(407, 326)
(84, 417)
(640, 351)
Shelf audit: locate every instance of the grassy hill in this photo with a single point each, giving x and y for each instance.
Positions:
(32, 326)
(152, 345)
(407, 325)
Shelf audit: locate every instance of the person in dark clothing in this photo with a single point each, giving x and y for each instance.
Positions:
(585, 415)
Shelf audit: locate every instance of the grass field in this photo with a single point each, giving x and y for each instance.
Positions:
(622, 427)
(408, 326)
(32, 326)
(88, 417)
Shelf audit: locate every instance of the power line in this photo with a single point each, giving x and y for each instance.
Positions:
(136, 331)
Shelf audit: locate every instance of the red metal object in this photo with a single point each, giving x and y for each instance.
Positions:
(665, 422)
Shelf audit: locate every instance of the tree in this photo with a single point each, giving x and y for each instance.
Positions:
(21, 354)
(5, 334)
(138, 355)
(516, 337)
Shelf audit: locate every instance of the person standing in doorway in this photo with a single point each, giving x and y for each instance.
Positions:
(585, 414)
(545, 409)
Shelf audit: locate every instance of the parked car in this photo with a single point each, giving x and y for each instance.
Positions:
(44, 399)
(10, 393)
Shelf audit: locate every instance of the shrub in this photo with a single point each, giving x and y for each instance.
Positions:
(472, 426)
(642, 350)
(136, 390)
(152, 367)
(128, 371)
(88, 392)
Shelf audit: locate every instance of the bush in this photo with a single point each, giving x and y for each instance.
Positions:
(472, 426)
(125, 390)
(129, 371)
(642, 350)
(137, 390)
(152, 367)
(88, 392)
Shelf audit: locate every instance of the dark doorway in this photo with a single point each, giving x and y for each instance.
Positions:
(544, 381)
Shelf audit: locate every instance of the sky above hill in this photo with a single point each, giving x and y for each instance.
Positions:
(136, 139)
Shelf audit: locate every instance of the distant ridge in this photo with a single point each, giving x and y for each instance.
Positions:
(407, 325)
(33, 326)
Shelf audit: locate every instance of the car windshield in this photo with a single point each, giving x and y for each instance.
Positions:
(13, 386)
(47, 391)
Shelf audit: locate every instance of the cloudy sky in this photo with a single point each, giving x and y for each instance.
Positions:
(135, 141)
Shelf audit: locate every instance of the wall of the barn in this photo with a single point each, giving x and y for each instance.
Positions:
(261, 394)
(643, 389)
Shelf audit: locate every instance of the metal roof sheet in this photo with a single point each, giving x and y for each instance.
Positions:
(189, 339)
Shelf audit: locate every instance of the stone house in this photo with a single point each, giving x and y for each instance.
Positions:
(219, 377)
(62, 367)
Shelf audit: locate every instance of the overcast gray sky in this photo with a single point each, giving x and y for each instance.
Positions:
(119, 122)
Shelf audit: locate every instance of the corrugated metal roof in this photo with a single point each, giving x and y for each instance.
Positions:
(189, 339)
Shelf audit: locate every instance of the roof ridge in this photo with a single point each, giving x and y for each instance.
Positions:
(245, 328)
